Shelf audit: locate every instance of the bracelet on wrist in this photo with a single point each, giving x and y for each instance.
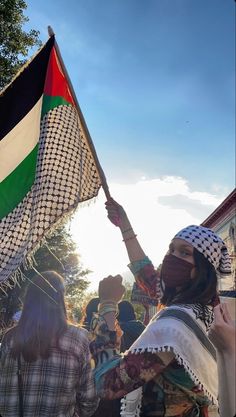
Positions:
(129, 238)
(127, 230)
(107, 307)
(108, 302)
(106, 310)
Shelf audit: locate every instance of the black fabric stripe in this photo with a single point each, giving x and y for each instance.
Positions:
(188, 321)
(21, 95)
(228, 293)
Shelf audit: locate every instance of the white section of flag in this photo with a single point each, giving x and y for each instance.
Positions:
(20, 141)
(66, 174)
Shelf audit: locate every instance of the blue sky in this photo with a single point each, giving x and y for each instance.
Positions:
(155, 81)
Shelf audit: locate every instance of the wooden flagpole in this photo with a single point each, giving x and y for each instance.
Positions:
(89, 139)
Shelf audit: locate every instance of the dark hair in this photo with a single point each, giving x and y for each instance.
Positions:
(202, 289)
(43, 319)
(125, 311)
(91, 307)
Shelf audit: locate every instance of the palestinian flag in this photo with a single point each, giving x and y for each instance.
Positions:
(47, 163)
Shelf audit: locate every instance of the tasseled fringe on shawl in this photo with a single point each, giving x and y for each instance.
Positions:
(132, 407)
(182, 362)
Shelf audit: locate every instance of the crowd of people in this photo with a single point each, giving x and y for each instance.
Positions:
(180, 364)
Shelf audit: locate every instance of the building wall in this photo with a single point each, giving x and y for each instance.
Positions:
(223, 222)
(227, 231)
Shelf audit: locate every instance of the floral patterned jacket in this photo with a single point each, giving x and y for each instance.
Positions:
(167, 389)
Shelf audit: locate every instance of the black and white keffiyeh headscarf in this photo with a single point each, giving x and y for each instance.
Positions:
(209, 244)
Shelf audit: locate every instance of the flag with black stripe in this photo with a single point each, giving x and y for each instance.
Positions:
(47, 166)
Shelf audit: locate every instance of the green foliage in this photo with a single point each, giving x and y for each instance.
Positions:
(138, 308)
(79, 307)
(14, 41)
(59, 253)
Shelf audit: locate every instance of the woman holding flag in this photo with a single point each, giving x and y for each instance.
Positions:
(173, 359)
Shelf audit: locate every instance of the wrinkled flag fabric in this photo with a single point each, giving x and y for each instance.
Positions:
(47, 166)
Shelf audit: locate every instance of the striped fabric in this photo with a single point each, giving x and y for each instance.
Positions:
(46, 164)
(180, 330)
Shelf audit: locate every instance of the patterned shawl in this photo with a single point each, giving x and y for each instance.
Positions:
(182, 330)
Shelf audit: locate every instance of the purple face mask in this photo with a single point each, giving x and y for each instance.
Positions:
(175, 271)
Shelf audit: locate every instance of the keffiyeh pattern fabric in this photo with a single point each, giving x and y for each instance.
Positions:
(209, 244)
(177, 329)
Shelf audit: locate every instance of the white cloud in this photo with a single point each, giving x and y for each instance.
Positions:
(100, 243)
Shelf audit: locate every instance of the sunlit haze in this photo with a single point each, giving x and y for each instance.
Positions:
(157, 209)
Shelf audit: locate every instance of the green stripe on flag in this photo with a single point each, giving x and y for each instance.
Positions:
(15, 187)
(50, 102)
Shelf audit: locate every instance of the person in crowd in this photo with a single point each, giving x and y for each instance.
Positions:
(173, 357)
(45, 368)
(130, 326)
(105, 407)
(90, 309)
(131, 329)
(223, 335)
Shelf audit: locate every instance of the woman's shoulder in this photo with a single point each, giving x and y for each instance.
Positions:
(77, 331)
(75, 338)
(201, 315)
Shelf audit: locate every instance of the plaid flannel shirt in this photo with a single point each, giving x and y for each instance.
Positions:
(61, 386)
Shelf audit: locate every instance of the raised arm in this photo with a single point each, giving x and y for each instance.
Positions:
(142, 268)
(119, 218)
